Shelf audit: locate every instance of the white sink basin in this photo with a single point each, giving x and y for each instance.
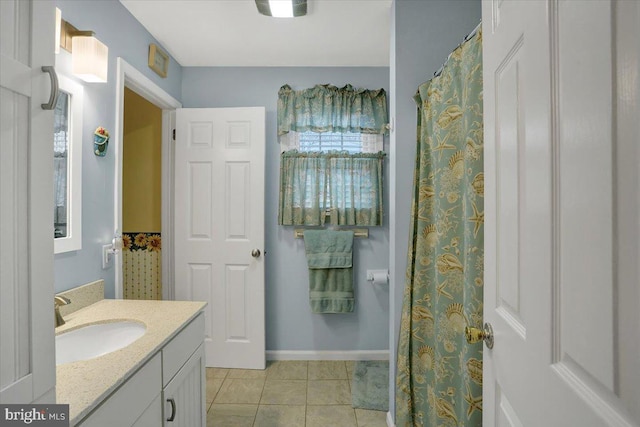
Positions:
(93, 341)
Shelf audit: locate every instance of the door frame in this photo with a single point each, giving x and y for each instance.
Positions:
(128, 76)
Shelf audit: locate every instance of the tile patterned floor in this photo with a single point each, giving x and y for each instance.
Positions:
(286, 394)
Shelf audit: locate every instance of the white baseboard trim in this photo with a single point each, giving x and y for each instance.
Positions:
(390, 420)
(328, 355)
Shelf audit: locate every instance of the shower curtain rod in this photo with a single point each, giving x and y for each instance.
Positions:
(466, 38)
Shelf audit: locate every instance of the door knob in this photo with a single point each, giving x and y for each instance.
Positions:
(475, 335)
(255, 253)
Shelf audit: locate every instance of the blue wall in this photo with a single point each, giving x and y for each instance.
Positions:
(127, 38)
(423, 35)
(290, 324)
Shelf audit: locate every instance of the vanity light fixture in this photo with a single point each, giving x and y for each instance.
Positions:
(89, 56)
(282, 8)
(90, 59)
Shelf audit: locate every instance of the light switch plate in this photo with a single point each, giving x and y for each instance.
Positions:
(107, 256)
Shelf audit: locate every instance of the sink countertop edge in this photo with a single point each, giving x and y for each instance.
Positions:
(85, 384)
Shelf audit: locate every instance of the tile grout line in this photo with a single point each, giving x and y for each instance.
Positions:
(306, 396)
(217, 391)
(264, 385)
(353, 411)
(220, 388)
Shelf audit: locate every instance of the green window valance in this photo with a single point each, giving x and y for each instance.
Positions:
(327, 108)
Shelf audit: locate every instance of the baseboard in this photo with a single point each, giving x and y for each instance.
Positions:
(328, 355)
(390, 420)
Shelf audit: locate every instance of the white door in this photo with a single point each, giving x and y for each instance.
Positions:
(27, 370)
(562, 197)
(219, 228)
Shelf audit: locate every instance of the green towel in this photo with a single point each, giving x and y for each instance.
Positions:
(330, 260)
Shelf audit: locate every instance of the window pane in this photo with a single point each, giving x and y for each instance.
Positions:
(328, 141)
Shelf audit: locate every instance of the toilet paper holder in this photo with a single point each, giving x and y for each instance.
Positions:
(378, 276)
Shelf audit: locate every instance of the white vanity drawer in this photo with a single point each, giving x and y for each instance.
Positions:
(181, 347)
(129, 401)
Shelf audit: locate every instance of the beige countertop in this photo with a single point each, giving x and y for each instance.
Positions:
(85, 384)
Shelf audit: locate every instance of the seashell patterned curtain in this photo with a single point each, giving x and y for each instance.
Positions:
(439, 377)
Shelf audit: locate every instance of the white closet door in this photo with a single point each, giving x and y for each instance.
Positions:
(27, 365)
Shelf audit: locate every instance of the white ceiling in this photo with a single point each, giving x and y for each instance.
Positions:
(233, 33)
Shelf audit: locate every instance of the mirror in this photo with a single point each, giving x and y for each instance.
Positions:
(60, 165)
(67, 167)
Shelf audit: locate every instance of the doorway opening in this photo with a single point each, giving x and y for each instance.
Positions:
(143, 198)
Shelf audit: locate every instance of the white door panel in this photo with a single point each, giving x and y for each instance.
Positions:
(550, 238)
(219, 221)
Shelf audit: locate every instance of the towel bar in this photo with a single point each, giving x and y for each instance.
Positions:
(298, 233)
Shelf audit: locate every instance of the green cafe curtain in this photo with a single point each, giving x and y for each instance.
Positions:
(439, 378)
(327, 108)
(346, 187)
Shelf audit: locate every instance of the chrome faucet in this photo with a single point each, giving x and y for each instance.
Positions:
(58, 302)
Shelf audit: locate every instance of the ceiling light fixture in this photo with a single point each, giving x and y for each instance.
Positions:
(282, 8)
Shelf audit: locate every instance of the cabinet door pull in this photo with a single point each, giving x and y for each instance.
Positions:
(173, 409)
(53, 97)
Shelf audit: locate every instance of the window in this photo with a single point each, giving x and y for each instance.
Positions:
(312, 141)
(331, 140)
(352, 143)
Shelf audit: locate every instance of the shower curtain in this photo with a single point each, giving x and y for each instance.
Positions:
(439, 379)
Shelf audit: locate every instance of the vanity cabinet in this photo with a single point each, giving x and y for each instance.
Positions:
(184, 396)
(167, 390)
(131, 400)
(149, 417)
(184, 382)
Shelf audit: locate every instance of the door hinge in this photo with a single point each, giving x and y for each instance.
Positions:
(174, 134)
